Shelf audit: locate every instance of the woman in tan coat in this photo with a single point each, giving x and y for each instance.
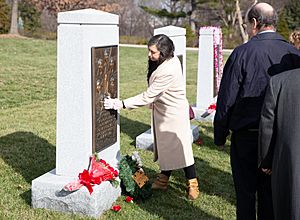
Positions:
(170, 114)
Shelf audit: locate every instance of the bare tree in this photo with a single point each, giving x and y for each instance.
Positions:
(192, 20)
(53, 7)
(14, 18)
(174, 7)
(244, 34)
(168, 12)
(133, 20)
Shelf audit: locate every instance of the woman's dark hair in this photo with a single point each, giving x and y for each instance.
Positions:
(264, 18)
(166, 48)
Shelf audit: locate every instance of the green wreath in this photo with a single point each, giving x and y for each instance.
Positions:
(127, 167)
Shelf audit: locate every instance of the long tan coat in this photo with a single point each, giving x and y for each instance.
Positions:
(170, 115)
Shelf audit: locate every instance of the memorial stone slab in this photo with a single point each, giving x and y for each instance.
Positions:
(87, 71)
(145, 140)
(209, 60)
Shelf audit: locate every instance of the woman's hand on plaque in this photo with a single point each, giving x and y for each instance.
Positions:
(110, 103)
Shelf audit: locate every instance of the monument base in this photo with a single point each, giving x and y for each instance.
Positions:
(145, 140)
(198, 112)
(47, 193)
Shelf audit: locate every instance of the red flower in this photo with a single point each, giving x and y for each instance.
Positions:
(85, 179)
(212, 106)
(199, 141)
(98, 172)
(116, 208)
(116, 173)
(129, 199)
(103, 162)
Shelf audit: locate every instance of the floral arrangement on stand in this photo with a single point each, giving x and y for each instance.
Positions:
(218, 57)
(134, 182)
(97, 172)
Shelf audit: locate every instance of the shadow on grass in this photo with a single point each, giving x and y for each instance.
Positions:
(209, 142)
(172, 204)
(29, 155)
(212, 181)
(132, 128)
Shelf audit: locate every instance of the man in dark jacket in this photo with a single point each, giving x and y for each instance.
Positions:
(245, 78)
(279, 143)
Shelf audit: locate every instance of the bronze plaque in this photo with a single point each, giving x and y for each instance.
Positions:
(104, 83)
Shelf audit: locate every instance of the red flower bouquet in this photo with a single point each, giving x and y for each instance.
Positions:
(211, 108)
(97, 172)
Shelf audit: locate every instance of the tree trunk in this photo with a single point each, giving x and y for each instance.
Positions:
(14, 18)
(244, 34)
(193, 16)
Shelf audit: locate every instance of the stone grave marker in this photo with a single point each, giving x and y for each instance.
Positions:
(87, 71)
(210, 69)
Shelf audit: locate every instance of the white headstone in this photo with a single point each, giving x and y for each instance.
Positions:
(210, 39)
(177, 35)
(79, 33)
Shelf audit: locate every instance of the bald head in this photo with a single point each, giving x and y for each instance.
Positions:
(264, 14)
(264, 7)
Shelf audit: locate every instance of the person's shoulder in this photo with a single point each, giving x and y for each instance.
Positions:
(174, 59)
(289, 74)
(168, 65)
(239, 50)
(245, 46)
(272, 35)
(173, 62)
(258, 42)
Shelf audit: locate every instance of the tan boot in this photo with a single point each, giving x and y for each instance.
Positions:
(161, 182)
(193, 189)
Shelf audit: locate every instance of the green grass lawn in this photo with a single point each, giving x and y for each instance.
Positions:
(27, 138)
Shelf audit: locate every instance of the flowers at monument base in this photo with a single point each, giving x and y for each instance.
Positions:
(134, 182)
(211, 108)
(129, 199)
(98, 171)
(116, 208)
(136, 157)
(199, 141)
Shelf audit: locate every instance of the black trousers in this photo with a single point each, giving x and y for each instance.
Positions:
(190, 172)
(249, 181)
